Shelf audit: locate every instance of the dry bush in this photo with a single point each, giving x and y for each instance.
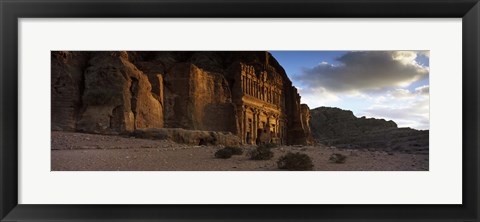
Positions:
(235, 150)
(295, 161)
(261, 153)
(223, 153)
(228, 152)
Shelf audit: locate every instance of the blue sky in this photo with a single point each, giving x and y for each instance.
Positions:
(392, 85)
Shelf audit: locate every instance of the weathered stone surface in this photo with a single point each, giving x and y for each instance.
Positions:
(66, 88)
(192, 137)
(340, 128)
(306, 116)
(298, 114)
(155, 73)
(117, 96)
(198, 100)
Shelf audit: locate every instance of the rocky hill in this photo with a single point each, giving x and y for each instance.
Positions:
(342, 129)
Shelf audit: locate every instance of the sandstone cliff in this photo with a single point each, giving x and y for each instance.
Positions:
(340, 128)
(120, 92)
(67, 88)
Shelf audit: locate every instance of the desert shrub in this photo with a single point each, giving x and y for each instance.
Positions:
(228, 152)
(295, 161)
(268, 145)
(338, 158)
(223, 153)
(261, 153)
(235, 150)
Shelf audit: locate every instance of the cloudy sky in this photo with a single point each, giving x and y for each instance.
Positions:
(392, 85)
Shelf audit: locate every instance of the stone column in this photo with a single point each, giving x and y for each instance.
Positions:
(267, 125)
(242, 82)
(254, 126)
(244, 127)
(251, 87)
(258, 120)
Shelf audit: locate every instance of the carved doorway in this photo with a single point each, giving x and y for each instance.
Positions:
(258, 141)
(249, 138)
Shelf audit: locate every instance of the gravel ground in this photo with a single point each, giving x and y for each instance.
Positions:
(89, 152)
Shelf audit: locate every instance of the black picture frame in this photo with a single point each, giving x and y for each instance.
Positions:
(11, 11)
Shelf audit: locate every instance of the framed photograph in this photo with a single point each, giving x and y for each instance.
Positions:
(227, 110)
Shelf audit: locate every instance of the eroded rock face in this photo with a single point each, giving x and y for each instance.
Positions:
(298, 115)
(120, 92)
(67, 88)
(117, 96)
(306, 116)
(198, 100)
(340, 128)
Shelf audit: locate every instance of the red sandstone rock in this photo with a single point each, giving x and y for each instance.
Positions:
(66, 88)
(245, 93)
(198, 100)
(117, 96)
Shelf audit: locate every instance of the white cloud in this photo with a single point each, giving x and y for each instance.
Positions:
(318, 97)
(400, 93)
(405, 57)
(407, 109)
(425, 53)
(423, 90)
(360, 71)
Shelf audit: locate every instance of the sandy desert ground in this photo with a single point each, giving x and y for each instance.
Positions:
(90, 152)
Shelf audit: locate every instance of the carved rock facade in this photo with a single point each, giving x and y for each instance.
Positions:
(245, 93)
